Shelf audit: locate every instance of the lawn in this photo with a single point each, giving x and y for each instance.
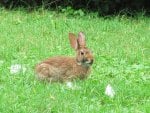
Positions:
(121, 47)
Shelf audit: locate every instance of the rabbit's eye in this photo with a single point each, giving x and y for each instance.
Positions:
(82, 53)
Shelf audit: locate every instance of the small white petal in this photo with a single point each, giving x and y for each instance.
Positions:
(109, 91)
(69, 84)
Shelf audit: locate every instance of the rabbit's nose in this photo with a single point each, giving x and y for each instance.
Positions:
(89, 61)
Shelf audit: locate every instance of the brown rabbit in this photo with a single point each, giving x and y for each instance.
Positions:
(67, 68)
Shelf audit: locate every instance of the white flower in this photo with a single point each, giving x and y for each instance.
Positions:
(69, 84)
(15, 68)
(109, 91)
(72, 86)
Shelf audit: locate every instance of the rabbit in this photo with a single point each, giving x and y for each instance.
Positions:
(63, 68)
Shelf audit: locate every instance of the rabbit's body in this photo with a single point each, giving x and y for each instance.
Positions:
(67, 68)
(61, 69)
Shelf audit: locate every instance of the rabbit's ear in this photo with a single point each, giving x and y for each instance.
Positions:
(73, 41)
(81, 39)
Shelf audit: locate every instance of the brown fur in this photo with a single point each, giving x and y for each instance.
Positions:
(66, 68)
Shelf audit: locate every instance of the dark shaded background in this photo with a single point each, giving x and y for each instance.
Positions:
(104, 7)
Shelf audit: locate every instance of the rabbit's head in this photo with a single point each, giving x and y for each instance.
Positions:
(84, 55)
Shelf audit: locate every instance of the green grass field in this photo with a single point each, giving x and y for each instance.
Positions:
(121, 47)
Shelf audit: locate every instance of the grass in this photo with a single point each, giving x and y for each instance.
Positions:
(121, 48)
